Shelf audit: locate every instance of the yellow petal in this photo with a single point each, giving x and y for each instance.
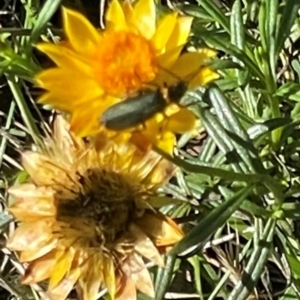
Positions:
(167, 59)
(64, 259)
(166, 142)
(180, 33)
(164, 31)
(109, 277)
(188, 64)
(52, 100)
(59, 81)
(65, 57)
(62, 290)
(204, 76)
(115, 19)
(127, 10)
(81, 34)
(83, 123)
(182, 122)
(144, 17)
(207, 52)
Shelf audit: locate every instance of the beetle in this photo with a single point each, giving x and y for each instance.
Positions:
(136, 110)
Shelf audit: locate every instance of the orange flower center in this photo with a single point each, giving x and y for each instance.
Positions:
(124, 62)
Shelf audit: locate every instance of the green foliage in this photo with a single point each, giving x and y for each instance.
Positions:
(252, 134)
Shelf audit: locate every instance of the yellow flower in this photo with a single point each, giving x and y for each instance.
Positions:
(96, 69)
(86, 219)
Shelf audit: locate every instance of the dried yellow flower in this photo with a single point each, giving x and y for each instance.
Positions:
(85, 218)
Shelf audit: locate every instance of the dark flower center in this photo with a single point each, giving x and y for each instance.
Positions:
(106, 203)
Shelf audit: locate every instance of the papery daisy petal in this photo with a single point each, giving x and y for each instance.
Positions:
(144, 17)
(63, 264)
(181, 122)
(62, 290)
(89, 86)
(115, 17)
(180, 33)
(141, 276)
(25, 236)
(166, 142)
(65, 57)
(90, 280)
(41, 169)
(42, 248)
(164, 31)
(155, 178)
(32, 202)
(81, 34)
(127, 290)
(205, 76)
(145, 246)
(110, 278)
(162, 229)
(127, 10)
(188, 64)
(82, 182)
(85, 123)
(40, 269)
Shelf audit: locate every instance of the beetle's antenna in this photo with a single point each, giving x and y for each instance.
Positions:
(191, 77)
(171, 73)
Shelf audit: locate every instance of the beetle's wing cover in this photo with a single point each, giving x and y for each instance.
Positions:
(133, 111)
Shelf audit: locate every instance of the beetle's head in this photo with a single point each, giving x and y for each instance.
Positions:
(177, 91)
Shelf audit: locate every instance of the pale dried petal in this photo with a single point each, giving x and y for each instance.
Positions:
(32, 202)
(65, 140)
(40, 269)
(127, 289)
(162, 229)
(62, 290)
(63, 242)
(30, 236)
(42, 170)
(144, 246)
(141, 276)
(41, 250)
(91, 277)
